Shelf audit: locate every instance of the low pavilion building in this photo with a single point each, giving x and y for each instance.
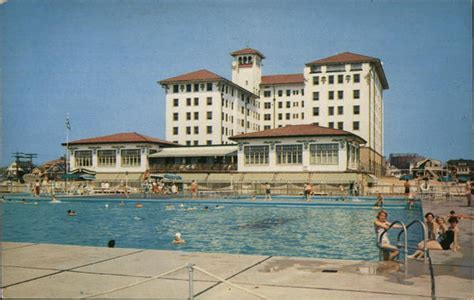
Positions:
(115, 157)
(299, 148)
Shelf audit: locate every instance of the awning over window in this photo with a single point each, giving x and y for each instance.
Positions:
(196, 151)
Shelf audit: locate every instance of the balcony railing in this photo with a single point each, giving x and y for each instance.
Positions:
(193, 168)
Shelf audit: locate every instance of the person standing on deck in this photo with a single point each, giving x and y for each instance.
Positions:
(268, 191)
(468, 193)
(194, 189)
(308, 189)
(407, 188)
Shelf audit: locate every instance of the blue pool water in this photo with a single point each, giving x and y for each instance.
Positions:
(325, 228)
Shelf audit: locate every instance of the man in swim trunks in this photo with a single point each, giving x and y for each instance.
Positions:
(268, 192)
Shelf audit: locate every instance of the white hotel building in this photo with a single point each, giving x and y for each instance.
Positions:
(344, 91)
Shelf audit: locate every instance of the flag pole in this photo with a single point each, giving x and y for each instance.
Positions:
(67, 150)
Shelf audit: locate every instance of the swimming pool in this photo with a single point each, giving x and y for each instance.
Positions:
(324, 228)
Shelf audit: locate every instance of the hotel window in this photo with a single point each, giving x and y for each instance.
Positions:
(331, 110)
(340, 95)
(175, 88)
(83, 158)
(188, 88)
(196, 87)
(316, 123)
(175, 116)
(336, 68)
(196, 130)
(331, 79)
(356, 109)
(175, 102)
(267, 127)
(267, 105)
(302, 92)
(175, 130)
(209, 100)
(209, 129)
(340, 78)
(106, 158)
(208, 142)
(315, 96)
(288, 116)
(356, 94)
(356, 78)
(288, 104)
(196, 101)
(289, 154)
(324, 154)
(288, 92)
(188, 143)
(302, 115)
(188, 130)
(302, 103)
(331, 124)
(196, 115)
(209, 115)
(188, 116)
(131, 158)
(256, 155)
(340, 125)
(280, 104)
(267, 117)
(316, 80)
(355, 125)
(196, 143)
(315, 111)
(356, 67)
(340, 110)
(267, 94)
(315, 69)
(209, 86)
(331, 95)
(280, 93)
(188, 101)
(280, 116)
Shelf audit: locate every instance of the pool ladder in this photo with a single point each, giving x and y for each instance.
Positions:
(405, 244)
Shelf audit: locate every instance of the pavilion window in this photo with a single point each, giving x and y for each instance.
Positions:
(131, 158)
(256, 155)
(324, 154)
(83, 158)
(106, 158)
(289, 154)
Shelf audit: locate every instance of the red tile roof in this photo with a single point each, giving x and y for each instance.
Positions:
(200, 75)
(349, 57)
(282, 79)
(247, 51)
(296, 131)
(127, 137)
(346, 57)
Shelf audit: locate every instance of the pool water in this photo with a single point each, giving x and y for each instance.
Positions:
(325, 229)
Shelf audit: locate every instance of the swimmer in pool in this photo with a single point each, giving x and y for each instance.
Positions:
(122, 203)
(178, 239)
(71, 213)
(138, 205)
(169, 207)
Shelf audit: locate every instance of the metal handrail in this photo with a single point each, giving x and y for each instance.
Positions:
(404, 229)
(425, 233)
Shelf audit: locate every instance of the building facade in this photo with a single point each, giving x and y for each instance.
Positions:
(203, 108)
(344, 91)
(114, 154)
(299, 148)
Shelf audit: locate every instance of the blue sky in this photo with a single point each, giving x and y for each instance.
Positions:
(99, 61)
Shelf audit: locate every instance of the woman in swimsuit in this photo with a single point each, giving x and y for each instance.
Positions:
(380, 225)
(450, 241)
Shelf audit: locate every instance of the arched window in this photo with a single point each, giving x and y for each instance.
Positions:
(250, 59)
(245, 60)
(240, 60)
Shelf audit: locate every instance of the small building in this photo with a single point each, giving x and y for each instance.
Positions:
(299, 148)
(462, 168)
(427, 168)
(113, 156)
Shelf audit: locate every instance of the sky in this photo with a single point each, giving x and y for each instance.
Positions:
(99, 61)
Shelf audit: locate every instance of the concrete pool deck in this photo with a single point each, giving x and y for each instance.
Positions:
(62, 271)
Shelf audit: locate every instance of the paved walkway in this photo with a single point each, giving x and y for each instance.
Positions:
(61, 271)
